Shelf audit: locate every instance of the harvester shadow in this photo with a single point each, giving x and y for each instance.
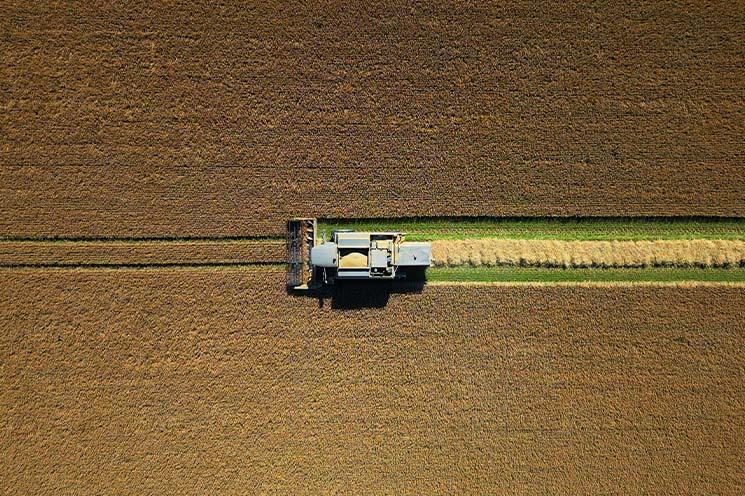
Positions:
(358, 295)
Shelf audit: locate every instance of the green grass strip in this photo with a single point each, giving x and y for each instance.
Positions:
(569, 229)
(530, 274)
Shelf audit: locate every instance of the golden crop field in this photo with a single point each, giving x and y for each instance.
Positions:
(215, 381)
(152, 152)
(222, 119)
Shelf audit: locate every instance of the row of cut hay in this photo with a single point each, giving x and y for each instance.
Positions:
(556, 253)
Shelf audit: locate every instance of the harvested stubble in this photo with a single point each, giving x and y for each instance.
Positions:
(563, 228)
(557, 253)
(217, 382)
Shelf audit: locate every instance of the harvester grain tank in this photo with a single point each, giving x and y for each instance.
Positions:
(350, 255)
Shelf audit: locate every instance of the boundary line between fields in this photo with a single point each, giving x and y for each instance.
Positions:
(257, 266)
(568, 219)
(590, 284)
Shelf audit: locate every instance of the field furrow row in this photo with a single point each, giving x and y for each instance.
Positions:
(112, 253)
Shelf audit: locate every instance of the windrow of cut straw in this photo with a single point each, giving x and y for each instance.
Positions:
(556, 253)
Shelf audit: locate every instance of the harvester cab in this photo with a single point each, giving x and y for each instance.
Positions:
(350, 255)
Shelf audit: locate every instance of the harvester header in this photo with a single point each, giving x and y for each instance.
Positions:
(350, 255)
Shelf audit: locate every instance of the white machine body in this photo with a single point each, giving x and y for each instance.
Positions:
(370, 255)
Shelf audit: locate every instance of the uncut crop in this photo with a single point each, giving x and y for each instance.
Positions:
(197, 372)
(424, 109)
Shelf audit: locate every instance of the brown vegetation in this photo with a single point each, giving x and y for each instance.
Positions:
(557, 253)
(147, 119)
(184, 381)
(141, 252)
(216, 119)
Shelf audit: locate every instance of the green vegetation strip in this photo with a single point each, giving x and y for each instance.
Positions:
(530, 274)
(570, 229)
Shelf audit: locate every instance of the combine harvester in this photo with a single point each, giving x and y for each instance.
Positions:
(350, 255)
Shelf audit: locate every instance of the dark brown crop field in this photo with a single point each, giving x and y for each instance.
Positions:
(184, 381)
(152, 133)
(147, 253)
(156, 119)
